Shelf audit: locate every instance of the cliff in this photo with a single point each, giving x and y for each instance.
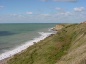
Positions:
(58, 27)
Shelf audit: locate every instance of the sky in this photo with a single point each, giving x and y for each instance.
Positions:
(42, 11)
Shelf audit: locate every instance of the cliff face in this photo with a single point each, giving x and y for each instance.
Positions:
(58, 27)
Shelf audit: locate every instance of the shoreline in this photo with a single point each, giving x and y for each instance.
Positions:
(65, 47)
(7, 55)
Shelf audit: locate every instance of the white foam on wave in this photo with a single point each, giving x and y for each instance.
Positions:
(51, 29)
(24, 46)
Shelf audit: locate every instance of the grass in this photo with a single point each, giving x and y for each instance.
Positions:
(77, 50)
(44, 52)
(53, 48)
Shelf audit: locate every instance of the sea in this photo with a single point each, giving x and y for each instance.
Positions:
(15, 37)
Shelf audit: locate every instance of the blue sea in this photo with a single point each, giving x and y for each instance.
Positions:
(17, 34)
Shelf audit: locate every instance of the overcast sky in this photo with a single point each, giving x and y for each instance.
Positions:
(42, 11)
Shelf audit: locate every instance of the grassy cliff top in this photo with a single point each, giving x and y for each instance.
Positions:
(68, 46)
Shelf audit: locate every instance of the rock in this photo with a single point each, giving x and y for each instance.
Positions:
(58, 27)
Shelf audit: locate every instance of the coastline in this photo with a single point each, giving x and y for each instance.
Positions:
(8, 55)
(68, 46)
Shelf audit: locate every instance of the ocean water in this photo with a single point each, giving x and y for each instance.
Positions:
(20, 36)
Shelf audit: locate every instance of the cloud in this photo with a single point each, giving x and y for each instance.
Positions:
(45, 14)
(58, 8)
(66, 13)
(65, 0)
(60, 15)
(16, 16)
(1, 6)
(13, 14)
(29, 13)
(0, 19)
(79, 9)
(59, 0)
(44, 0)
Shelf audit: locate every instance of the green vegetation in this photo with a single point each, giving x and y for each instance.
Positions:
(52, 49)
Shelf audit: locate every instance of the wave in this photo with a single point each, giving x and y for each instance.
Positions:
(24, 46)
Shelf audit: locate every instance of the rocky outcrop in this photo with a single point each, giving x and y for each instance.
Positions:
(58, 27)
(83, 22)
